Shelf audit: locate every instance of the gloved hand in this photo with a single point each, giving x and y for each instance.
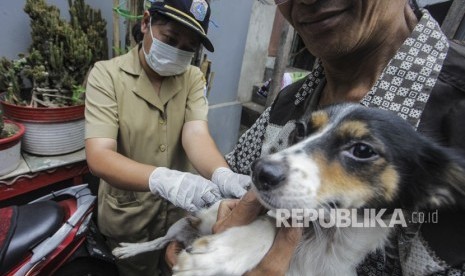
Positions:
(231, 184)
(188, 191)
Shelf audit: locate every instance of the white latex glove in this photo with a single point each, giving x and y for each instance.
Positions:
(231, 184)
(188, 191)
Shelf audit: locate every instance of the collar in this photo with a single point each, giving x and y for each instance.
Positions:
(130, 62)
(170, 86)
(406, 82)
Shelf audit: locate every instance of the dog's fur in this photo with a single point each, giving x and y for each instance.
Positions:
(355, 158)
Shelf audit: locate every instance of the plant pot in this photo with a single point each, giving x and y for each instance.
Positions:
(50, 131)
(10, 148)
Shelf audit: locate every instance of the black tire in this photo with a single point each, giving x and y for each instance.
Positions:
(87, 267)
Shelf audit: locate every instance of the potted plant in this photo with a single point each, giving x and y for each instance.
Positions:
(45, 88)
(10, 144)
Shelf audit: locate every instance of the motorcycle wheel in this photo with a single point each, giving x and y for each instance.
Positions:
(87, 267)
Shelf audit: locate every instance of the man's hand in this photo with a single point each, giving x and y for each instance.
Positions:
(241, 212)
(235, 212)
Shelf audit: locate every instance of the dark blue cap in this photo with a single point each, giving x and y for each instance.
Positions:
(194, 14)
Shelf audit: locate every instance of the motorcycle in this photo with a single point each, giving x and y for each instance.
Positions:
(54, 235)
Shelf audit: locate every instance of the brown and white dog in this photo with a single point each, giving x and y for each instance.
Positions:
(354, 159)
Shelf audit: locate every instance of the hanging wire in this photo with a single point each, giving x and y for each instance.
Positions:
(127, 14)
(266, 2)
(273, 2)
(213, 23)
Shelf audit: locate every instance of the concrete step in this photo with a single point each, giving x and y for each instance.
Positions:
(250, 113)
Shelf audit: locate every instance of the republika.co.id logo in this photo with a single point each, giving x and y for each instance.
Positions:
(328, 218)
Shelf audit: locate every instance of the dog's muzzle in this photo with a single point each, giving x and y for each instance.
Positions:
(268, 174)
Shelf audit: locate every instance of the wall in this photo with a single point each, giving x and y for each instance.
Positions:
(232, 18)
(256, 53)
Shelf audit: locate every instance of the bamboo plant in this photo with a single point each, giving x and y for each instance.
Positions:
(60, 56)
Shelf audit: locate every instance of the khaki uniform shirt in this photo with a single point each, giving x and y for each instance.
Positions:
(121, 104)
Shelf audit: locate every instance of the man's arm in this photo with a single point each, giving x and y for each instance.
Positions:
(277, 260)
(244, 211)
(235, 212)
(249, 146)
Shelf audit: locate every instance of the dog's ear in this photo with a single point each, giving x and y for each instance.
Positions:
(307, 126)
(442, 178)
(300, 132)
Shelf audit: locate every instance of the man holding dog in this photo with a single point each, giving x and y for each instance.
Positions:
(383, 54)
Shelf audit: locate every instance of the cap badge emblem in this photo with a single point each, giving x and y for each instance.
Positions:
(199, 9)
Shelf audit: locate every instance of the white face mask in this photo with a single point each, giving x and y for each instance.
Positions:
(166, 60)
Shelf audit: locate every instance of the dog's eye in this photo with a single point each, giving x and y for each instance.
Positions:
(362, 151)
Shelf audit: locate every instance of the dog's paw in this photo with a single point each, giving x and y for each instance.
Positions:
(232, 252)
(206, 256)
(126, 250)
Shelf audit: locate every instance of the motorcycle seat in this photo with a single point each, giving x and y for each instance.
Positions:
(35, 222)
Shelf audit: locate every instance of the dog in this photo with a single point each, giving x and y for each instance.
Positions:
(344, 157)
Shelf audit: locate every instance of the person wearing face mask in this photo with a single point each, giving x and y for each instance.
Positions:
(146, 115)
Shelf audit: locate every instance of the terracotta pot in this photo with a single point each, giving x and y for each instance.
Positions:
(10, 149)
(50, 131)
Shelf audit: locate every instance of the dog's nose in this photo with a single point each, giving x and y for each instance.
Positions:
(268, 174)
